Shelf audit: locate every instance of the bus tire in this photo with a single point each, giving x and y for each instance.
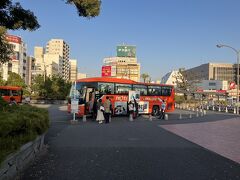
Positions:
(155, 111)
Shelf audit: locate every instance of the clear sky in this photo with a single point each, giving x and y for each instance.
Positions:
(169, 34)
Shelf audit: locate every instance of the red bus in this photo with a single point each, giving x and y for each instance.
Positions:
(7, 92)
(91, 89)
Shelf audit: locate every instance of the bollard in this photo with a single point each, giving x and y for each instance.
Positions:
(166, 117)
(190, 116)
(207, 107)
(219, 109)
(180, 116)
(84, 118)
(197, 114)
(234, 110)
(213, 108)
(226, 110)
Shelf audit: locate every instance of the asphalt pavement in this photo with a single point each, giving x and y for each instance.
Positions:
(140, 150)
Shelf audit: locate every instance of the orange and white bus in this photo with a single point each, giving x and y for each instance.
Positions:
(15, 92)
(91, 89)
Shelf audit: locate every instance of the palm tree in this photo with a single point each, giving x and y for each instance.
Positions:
(144, 76)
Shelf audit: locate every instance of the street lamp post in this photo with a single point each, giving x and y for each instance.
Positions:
(238, 54)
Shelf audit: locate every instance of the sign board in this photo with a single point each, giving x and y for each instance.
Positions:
(126, 51)
(134, 95)
(74, 105)
(143, 107)
(108, 71)
(13, 39)
(232, 85)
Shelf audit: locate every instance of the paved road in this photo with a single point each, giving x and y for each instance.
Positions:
(138, 150)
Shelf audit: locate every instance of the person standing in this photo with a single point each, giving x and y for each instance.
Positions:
(162, 112)
(107, 107)
(131, 110)
(100, 111)
(135, 113)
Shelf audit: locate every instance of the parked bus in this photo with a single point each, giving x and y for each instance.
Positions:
(7, 92)
(89, 90)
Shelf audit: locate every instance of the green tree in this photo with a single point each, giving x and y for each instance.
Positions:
(2, 82)
(15, 80)
(5, 48)
(186, 83)
(144, 76)
(52, 88)
(13, 17)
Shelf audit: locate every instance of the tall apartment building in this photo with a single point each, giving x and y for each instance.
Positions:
(31, 66)
(124, 65)
(52, 64)
(61, 48)
(18, 62)
(213, 71)
(73, 70)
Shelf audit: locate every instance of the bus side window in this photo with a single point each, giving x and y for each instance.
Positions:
(154, 90)
(4, 92)
(106, 88)
(141, 88)
(122, 88)
(166, 91)
(15, 93)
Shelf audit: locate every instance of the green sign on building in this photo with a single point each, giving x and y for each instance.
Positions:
(126, 51)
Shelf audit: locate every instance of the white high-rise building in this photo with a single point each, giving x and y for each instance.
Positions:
(18, 62)
(73, 70)
(52, 64)
(61, 48)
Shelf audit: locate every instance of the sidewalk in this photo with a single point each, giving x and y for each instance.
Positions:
(221, 137)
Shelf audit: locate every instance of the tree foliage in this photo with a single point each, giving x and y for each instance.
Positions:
(15, 80)
(87, 8)
(52, 88)
(13, 17)
(186, 84)
(145, 76)
(5, 48)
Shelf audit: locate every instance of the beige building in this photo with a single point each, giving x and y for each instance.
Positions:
(31, 62)
(81, 76)
(212, 71)
(121, 67)
(73, 70)
(39, 60)
(52, 64)
(61, 48)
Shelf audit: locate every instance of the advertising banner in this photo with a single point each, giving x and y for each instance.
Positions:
(143, 107)
(126, 51)
(134, 95)
(106, 71)
(120, 108)
(13, 39)
(74, 105)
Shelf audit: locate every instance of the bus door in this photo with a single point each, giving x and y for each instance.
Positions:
(89, 99)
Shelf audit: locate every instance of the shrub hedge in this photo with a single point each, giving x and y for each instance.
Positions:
(20, 124)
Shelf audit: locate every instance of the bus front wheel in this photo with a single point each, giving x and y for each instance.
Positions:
(155, 111)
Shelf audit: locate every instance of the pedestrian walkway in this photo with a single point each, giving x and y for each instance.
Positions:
(221, 137)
